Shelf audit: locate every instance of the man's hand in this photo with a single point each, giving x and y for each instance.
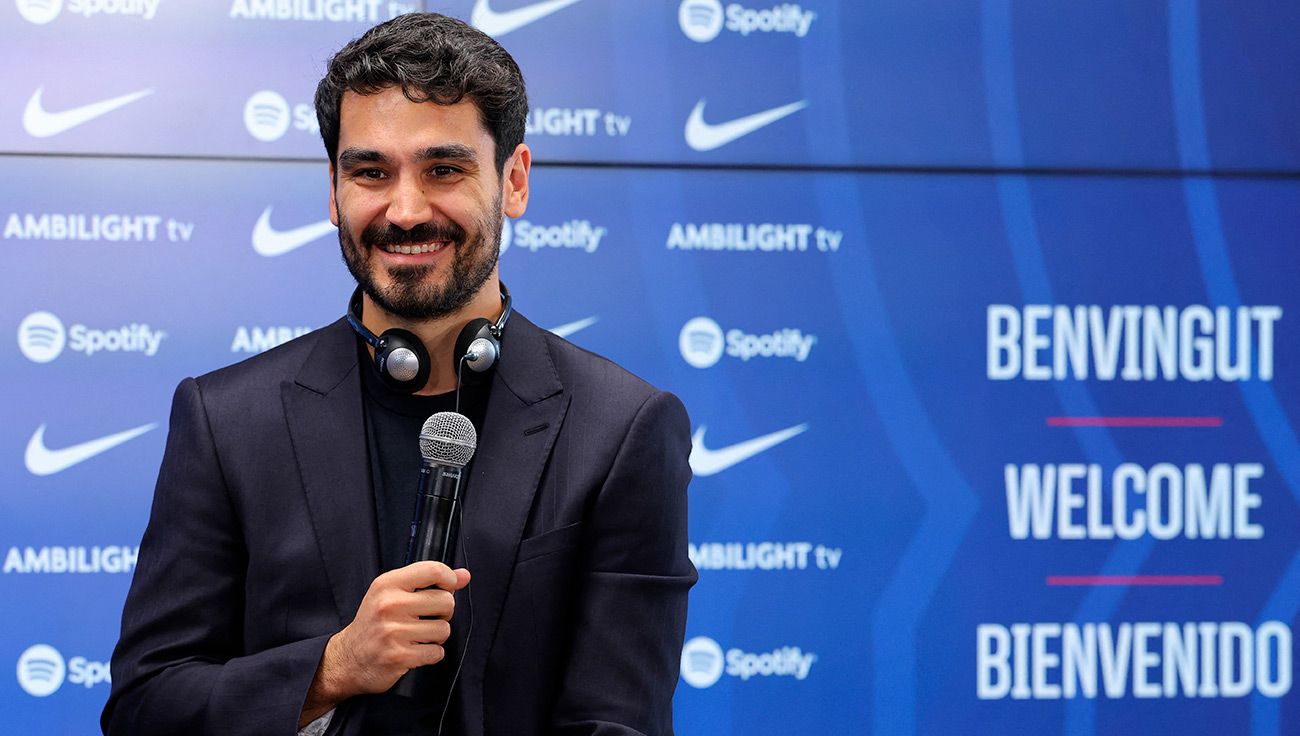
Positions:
(399, 626)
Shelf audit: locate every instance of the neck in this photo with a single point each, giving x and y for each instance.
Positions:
(439, 334)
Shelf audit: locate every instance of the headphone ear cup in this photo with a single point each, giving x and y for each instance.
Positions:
(477, 336)
(402, 361)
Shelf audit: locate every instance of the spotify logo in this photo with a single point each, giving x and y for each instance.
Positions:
(41, 337)
(41, 670)
(266, 115)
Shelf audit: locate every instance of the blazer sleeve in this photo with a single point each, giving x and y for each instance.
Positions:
(180, 665)
(631, 615)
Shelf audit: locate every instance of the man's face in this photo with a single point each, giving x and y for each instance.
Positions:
(418, 201)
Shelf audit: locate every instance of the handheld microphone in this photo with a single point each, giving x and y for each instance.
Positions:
(447, 442)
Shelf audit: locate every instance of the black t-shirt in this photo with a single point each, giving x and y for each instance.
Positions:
(393, 422)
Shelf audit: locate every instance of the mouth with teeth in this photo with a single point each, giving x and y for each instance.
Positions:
(423, 239)
(414, 249)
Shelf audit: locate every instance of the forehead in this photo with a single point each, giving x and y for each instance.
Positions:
(389, 119)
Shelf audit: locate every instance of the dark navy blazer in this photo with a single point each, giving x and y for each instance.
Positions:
(262, 542)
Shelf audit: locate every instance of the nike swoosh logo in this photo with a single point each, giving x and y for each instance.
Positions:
(568, 329)
(269, 242)
(705, 137)
(41, 124)
(43, 461)
(711, 462)
(495, 24)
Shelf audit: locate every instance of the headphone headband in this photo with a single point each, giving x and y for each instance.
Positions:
(506, 309)
(354, 319)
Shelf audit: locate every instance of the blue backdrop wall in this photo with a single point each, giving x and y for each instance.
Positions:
(984, 313)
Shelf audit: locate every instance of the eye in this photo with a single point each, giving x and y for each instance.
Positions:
(373, 174)
(444, 170)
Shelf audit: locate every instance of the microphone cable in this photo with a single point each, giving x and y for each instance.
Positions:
(469, 593)
(469, 630)
(460, 378)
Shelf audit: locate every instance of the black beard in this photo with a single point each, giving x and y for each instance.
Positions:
(411, 295)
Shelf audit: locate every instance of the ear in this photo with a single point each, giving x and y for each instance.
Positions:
(334, 207)
(515, 182)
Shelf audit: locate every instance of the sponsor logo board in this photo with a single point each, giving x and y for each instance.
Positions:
(42, 338)
(703, 343)
(703, 20)
(572, 235)
(57, 560)
(40, 123)
(704, 663)
(268, 116)
(498, 23)
(576, 122)
(569, 328)
(706, 462)
(257, 339)
(96, 227)
(703, 136)
(42, 670)
(753, 237)
(41, 12)
(270, 242)
(321, 11)
(764, 556)
(41, 460)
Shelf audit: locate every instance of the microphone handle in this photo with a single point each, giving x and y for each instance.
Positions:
(433, 535)
(433, 530)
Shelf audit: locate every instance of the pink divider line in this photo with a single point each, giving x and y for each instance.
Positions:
(1095, 580)
(1135, 421)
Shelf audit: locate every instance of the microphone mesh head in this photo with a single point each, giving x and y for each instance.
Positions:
(448, 438)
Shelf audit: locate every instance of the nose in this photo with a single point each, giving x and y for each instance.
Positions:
(408, 205)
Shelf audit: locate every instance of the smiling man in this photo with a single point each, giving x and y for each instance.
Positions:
(272, 592)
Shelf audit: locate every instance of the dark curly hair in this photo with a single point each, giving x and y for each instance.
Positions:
(432, 58)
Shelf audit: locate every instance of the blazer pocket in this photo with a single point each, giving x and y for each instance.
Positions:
(548, 542)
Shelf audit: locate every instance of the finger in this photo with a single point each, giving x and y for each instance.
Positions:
(424, 574)
(429, 654)
(462, 578)
(422, 654)
(430, 631)
(434, 602)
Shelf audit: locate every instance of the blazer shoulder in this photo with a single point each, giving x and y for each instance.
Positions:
(601, 385)
(581, 369)
(266, 371)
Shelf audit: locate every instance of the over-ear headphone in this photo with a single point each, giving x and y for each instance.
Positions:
(404, 363)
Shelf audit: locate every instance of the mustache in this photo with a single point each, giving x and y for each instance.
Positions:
(376, 236)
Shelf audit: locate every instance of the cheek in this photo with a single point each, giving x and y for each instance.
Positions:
(358, 204)
(350, 227)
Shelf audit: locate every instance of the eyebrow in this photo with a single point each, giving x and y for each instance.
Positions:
(353, 157)
(449, 152)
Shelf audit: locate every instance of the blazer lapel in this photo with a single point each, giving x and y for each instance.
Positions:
(526, 407)
(326, 426)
